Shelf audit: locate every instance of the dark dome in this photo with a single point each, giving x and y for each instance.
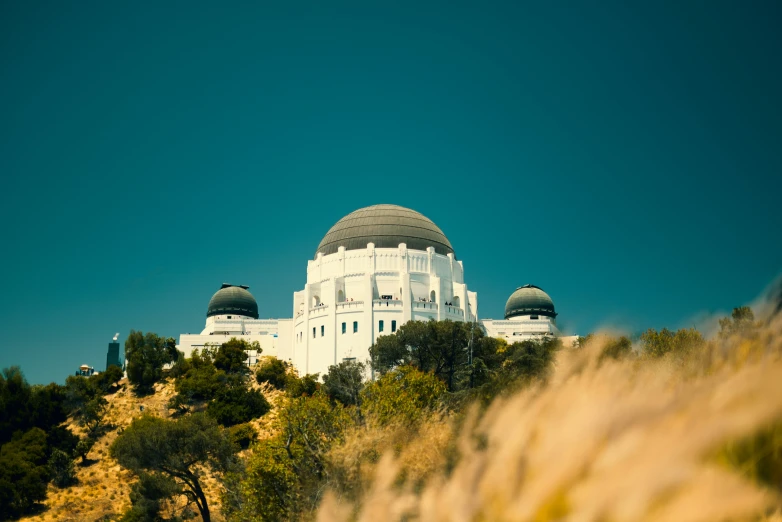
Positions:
(529, 300)
(386, 226)
(232, 299)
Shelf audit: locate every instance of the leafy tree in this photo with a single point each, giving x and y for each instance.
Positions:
(274, 371)
(403, 395)
(304, 386)
(231, 356)
(200, 382)
(177, 450)
(108, 380)
(682, 342)
(286, 473)
(146, 355)
(83, 447)
(23, 473)
(616, 348)
(741, 321)
(15, 399)
(93, 414)
(236, 404)
(243, 435)
(147, 497)
(442, 347)
(61, 469)
(344, 382)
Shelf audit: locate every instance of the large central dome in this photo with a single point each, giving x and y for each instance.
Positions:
(386, 226)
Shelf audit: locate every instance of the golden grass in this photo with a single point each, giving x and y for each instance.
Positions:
(628, 440)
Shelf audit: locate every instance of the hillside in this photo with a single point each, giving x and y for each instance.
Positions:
(102, 488)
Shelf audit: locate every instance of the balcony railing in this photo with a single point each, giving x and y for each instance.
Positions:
(378, 304)
(425, 305)
(349, 304)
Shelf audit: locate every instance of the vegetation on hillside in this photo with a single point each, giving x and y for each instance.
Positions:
(665, 425)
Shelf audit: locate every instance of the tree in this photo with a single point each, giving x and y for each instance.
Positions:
(177, 450)
(344, 382)
(83, 447)
(61, 469)
(682, 342)
(93, 414)
(236, 404)
(231, 356)
(286, 473)
(300, 387)
(274, 371)
(147, 496)
(403, 395)
(741, 321)
(442, 347)
(23, 472)
(146, 355)
(616, 348)
(108, 380)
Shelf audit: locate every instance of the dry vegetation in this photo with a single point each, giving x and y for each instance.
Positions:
(102, 487)
(622, 440)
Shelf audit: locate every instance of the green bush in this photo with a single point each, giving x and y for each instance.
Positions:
(300, 387)
(236, 404)
(243, 435)
(273, 371)
(61, 469)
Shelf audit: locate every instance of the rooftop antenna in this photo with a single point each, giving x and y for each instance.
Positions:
(116, 336)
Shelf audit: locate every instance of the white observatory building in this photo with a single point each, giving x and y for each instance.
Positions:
(374, 270)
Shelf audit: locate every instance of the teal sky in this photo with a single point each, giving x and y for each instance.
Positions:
(625, 158)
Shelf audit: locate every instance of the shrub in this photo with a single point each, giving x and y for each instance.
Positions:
(273, 371)
(61, 469)
(243, 435)
(236, 404)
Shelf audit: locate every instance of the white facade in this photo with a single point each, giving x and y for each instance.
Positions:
(354, 296)
(521, 328)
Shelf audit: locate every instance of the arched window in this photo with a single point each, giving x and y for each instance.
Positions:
(315, 301)
(340, 296)
(432, 296)
(456, 301)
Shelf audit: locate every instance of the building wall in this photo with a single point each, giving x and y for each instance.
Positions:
(368, 286)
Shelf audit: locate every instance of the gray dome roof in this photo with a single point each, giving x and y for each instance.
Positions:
(232, 299)
(529, 300)
(386, 226)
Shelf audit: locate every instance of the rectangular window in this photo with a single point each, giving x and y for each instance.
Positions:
(393, 326)
(355, 326)
(322, 330)
(313, 332)
(380, 326)
(533, 317)
(344, 327)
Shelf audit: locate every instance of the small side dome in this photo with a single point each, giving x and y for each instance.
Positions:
(231, 299)
(529, 300)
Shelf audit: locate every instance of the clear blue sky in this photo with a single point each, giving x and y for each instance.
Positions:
(627, 159)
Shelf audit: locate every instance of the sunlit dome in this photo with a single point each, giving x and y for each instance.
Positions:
(233, 300)
(386, 226)
(529, 300)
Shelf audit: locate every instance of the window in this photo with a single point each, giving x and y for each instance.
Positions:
(355, 326)
(393, 326)
(322, 330)
(380, 326)
(533, 317)
(313, 332)
(229, 317)
(344, 327)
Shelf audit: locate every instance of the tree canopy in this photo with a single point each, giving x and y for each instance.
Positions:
(177, 450)
(145, 356)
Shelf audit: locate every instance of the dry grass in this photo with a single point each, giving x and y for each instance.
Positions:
(103, 487)
(632, 440)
